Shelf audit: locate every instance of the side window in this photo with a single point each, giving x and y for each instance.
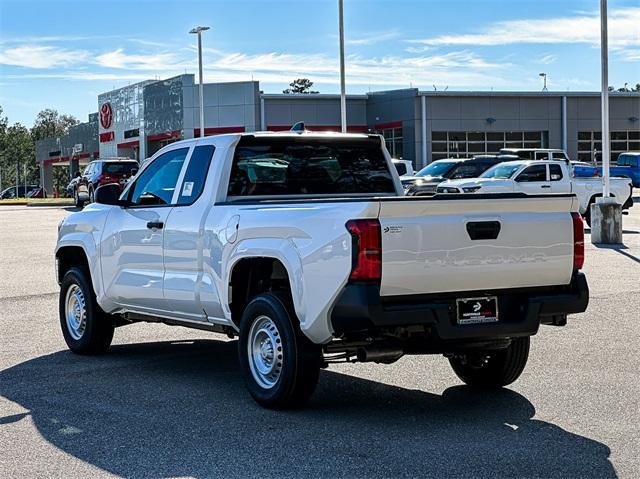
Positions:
(87, 170)
(401, 168)
(157, 183)
(542, 155)
(533, 173)
(622, 161)
(196, 174)
(555, 172)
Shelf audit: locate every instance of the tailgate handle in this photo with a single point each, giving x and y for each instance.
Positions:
(483, 230)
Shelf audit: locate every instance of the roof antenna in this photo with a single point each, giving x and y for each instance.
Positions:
(434, 88)
(298, 127)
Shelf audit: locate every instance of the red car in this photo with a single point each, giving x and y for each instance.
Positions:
(102, 172)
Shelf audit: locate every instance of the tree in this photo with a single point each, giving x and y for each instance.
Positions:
(17, 153)
(300, 85)
(50, 124)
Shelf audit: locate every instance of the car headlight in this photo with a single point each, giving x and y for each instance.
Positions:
(471, 189)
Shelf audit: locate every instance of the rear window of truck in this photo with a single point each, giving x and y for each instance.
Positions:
(308, 166)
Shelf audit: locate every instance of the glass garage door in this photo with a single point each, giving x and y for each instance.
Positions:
(464, 144)
(590, 144)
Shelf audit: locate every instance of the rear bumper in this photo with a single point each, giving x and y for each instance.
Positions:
(360, 308)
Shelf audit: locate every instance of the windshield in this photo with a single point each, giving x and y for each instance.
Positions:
(437, 168)
(503, 170)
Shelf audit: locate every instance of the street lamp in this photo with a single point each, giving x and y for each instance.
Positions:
(544, 77)
(343, 95)
(198, 31)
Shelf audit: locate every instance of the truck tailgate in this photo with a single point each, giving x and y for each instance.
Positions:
(471, 243)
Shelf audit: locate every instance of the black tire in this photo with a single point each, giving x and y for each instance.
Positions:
(91, 195)
(493, 369)
(76, 197)
(296, 362)
(95, 336)
(587, 214)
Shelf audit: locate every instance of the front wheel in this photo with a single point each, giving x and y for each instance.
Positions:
(279, 364)
(492, 369)
(86, 328)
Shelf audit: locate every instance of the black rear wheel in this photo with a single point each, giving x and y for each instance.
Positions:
(279, 364)
(492, 369)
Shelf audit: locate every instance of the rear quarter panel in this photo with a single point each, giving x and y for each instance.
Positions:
(311, 241)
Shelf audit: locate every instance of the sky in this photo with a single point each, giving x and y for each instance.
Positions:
(62, 53)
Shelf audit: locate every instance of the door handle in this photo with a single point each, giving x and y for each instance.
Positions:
(155, 225)
(545, 186)
(483, 230)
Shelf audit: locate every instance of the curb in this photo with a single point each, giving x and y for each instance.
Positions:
(60, 203)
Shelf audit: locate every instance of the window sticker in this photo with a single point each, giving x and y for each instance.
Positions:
(187, 189)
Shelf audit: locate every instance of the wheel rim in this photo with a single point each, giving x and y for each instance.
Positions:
(75, 312)
(265, 352)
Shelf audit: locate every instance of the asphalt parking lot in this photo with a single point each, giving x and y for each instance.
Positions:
(169, 402)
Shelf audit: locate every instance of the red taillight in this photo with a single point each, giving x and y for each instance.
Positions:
(367, 250)
(578, 241)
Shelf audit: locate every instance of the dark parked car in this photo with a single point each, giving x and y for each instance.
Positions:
(101, 172)
(425, 182)
(10, 192)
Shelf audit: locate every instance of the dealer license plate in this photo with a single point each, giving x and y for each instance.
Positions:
(477, 310)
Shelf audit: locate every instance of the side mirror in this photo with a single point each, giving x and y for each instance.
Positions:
(78, 174)
(134, 171)
(107, 194)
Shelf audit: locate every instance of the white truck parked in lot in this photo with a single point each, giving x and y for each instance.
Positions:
(303, 246)
(535, 176)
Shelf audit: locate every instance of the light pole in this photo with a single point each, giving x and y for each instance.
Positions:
(198, 31)
(604, 58)
(343, 95)
(544, 77)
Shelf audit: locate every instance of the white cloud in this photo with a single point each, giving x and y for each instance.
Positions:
(457, 69)
(372, 38)
(624, 31)
(40, 56)
(547, 59)
(120, 60)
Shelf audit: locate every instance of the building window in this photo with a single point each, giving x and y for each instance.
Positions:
(393, 141)
(590, 144)
(463, 144)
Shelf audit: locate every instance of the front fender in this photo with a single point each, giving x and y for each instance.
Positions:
(84, 230)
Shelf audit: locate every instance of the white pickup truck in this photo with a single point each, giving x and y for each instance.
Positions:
(536, 176)
(303, 246)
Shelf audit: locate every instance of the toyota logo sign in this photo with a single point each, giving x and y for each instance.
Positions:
(106, 115)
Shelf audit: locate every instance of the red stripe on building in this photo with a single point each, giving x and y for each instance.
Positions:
(164, 136)
(62, 159)
(350, 128)
(220, 130)
(391, 124)
(129, 144)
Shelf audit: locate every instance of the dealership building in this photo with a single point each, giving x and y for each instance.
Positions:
(137, 120)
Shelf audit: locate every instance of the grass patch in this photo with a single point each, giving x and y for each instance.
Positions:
(44, 201)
